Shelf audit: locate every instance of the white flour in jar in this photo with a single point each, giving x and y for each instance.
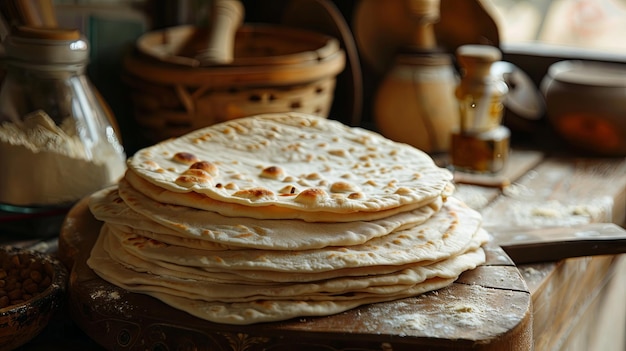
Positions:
(42, 164)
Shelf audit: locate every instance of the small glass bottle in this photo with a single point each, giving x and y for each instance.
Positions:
(481, 143)
(57, 140)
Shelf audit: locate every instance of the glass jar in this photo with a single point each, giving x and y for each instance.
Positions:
(481, 143)
(480, 94)
(57, 141)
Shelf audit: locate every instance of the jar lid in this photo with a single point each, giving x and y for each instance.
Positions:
(586, 73)
(39, 45)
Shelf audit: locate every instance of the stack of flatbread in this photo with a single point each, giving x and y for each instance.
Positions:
(278, 216)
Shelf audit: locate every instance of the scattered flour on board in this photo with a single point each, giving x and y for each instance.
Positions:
(472, 197)
(439, 312)
(102, 294)
(527, 209)
(110, 299)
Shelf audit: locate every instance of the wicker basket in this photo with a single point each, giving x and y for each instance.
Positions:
(275, 69)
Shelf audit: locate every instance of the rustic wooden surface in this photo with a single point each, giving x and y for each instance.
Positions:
(577, 304)
(574, 300)
(486, 309)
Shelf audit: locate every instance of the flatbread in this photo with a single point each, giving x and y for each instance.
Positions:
(242, 313)
(446, 233)
(126, 206)
(202, 202)
(191, 296)
(294, 161)
(114, 248)
(338, 288)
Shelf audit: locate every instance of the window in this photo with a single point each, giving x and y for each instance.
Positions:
(587, 25)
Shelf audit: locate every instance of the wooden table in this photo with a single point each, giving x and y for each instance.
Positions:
(577, 303)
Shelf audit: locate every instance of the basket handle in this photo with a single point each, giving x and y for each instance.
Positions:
(225, 18)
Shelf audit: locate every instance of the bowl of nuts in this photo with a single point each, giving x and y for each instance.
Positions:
(32, 288)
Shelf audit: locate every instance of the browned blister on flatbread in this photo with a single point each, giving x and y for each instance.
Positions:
(333, 168)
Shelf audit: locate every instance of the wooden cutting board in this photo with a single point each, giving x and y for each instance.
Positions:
(487, 308)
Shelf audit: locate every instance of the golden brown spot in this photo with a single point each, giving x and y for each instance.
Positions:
(197, 173)
(293, 147)
(184, 158)
(356, 196)
(403, 191)
(206, 166)
(191, 180)
(338, 152)
(180, 225)
(313, 176)
(311, 196)
(288, 190)
(151, 165)
(371, 182)
(260, 230)
(254, 194)
(343, 187)
(240, 129)
(272, 172)
(231, 186)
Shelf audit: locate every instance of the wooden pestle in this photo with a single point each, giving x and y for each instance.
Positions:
(225, 18)
(34, 13)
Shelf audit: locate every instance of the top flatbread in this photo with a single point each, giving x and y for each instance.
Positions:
(269, 212)
(293, 161)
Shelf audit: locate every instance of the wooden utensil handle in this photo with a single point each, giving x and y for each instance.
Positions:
(226, 17)
(552, 244)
